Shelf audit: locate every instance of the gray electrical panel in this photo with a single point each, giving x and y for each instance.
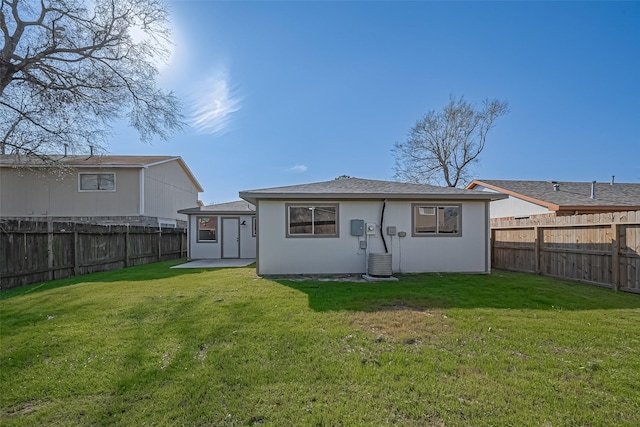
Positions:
(391, 230)
(357, 227)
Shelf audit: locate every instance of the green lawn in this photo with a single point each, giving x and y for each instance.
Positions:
(153, 346)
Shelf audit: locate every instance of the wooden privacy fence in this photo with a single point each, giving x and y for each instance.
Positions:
(602, 249)
(32, 251)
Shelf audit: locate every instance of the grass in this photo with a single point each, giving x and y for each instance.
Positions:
(153, 346)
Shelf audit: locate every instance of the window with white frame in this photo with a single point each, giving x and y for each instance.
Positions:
(254, 226)
(437, 220)
(97, 181)
(207, 229)
(312, 220)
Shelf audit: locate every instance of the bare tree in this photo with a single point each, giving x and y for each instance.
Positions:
(70, 68)
(443, 145)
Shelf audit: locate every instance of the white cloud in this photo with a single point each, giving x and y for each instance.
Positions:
(213, 106)
(297, 169)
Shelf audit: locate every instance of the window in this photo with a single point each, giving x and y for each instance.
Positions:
(437, 220)
(97, 181)
(254, 226)
(312, 220)
(208, 229)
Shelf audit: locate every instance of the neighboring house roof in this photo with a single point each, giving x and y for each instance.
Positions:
(238, 207)
(356, 188)
(570, 196)
(85, 161)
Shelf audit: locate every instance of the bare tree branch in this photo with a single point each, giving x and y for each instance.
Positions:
(70, 68)
(443, 145)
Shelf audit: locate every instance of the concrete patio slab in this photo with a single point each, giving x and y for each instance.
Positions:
(216, 263)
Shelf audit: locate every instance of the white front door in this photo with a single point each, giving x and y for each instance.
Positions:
(230, 237)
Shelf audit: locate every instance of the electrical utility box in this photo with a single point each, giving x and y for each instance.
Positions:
(357, 227)
(391, 230)
(371, 229)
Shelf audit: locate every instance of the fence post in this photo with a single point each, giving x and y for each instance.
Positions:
(126, 247)
(160, 245)
(539, 235)
(492, 239)
(50, 249)
(615, 256)
(76, 253)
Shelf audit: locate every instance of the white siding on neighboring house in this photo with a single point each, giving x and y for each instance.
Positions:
(37, 192)
(512, 206)
(167, 188)
(278, 254)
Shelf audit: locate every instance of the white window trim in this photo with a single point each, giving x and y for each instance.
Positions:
(96, 191)
(435, 205)
(312, 205)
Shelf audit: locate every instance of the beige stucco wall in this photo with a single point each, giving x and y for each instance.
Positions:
(38, 192)
(278, 254)
(168, 189)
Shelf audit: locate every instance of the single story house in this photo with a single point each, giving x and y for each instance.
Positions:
(135, 190)
(223, 230)
(557, 198)
(340, 226)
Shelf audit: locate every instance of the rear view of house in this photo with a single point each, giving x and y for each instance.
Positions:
(335, 227)
(136, 190)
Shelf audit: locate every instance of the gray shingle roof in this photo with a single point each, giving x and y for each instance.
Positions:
(569, 194)
(350, 188)
(238, 207)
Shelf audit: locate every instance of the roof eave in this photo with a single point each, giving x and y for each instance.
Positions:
(247, 198)
(184, 166)
(190, 174)
(74, 166)
(548, 205)
(252, 196)
(206, 212)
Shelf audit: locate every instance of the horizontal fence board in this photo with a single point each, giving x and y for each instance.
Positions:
(600, 249)
(37, 251)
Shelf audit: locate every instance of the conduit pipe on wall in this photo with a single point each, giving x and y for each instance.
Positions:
(384, 242)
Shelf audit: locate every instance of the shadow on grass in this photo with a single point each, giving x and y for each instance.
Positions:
(158, 270)
(503, 290)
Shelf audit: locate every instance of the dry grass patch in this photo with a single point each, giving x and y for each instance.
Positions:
(402, 322)
(25, 409)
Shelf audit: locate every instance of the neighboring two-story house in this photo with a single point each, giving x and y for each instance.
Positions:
(135, 190)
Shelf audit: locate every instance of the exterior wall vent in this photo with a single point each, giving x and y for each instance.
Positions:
(380, 265)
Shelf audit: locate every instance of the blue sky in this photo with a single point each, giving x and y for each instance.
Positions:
(282, 93)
